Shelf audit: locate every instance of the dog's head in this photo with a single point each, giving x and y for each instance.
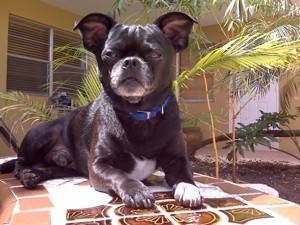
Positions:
(135, 62)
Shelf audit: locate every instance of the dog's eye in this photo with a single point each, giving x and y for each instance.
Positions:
(154, 55)
(110, 55)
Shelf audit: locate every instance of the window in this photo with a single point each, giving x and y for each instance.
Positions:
(30, 57)
(194, 90)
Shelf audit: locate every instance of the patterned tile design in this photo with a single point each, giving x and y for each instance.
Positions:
(225, 203)
(207, 218)
(243, 215)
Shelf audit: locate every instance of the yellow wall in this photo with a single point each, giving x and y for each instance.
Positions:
(285, 143)
(37, 11)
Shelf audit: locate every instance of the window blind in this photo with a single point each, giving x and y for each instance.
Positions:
(30, 51)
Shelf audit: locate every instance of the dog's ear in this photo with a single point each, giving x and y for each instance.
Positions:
(176, 26)
(94, 29)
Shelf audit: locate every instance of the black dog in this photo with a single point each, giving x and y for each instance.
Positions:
(132, 128)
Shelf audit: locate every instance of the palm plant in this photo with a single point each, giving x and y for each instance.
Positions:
(22, 109)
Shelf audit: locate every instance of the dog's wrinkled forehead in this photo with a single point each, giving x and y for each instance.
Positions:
(134, 37)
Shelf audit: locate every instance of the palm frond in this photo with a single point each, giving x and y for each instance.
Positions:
(27, 110)
(70, 53)
(91, 87)
(243, 53)
(270, 7)
(286, 26)
(239, 12)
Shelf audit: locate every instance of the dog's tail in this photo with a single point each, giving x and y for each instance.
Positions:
(8, 167)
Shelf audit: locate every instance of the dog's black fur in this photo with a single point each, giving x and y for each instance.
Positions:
(102, 140)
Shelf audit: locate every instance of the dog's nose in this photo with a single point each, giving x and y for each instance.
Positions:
(130, 63)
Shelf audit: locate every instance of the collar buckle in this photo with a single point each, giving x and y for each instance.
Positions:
(148, 114)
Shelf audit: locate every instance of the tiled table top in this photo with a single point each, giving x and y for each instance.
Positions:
(73, 201)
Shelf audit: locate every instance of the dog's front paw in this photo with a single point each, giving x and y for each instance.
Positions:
(187, 195)
(29, 178)
(137, 195)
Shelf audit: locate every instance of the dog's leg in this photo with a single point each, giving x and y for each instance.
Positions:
(105, 178)
(31, 176)
(179, 176)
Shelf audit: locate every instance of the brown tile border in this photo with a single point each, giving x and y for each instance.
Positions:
(235, 189)
(13, 182)
(204, 179)
(21, 192)
(6, 197)
(31, 218)
(7, 176)
(263, 199)
(291, 213)
(84, 183)
(29, 204)
(3, 186)
(6, 212)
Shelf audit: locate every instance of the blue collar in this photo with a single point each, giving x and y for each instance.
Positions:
(146, 115)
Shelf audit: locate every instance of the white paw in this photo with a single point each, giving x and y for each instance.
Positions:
(188, 195)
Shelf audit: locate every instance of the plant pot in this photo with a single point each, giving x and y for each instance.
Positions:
(192, 136)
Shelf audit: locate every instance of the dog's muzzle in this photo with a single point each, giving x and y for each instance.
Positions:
(132, 78)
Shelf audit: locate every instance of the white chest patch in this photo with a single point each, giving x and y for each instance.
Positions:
(143, 168)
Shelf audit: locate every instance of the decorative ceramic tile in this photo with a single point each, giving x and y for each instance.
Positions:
(243, 215)
(73, 202)
(207, 218)
(127, 211)
(163, 195)
(223, 202)
(146, 220)
(116, 201)
(88, 213)
(102, 222)
(172, 206)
